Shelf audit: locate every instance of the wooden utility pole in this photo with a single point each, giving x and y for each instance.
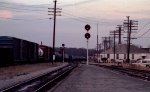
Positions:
(54, 31)
(114, 45)
(109, 42)
(54, 12)
(114, 49)
(128, 50)
(119, 31)
(130, 24)
(97, 44)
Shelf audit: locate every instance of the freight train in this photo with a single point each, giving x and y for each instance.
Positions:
(18, 51)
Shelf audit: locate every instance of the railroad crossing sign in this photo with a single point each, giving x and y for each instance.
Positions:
(87, 35)
(87, 27)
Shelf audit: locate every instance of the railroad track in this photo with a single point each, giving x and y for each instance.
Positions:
(42, 83)
(142, 74)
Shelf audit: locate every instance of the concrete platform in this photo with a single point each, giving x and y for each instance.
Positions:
(96, 79)
(18, 79)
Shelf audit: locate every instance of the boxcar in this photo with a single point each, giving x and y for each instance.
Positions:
(15, 50)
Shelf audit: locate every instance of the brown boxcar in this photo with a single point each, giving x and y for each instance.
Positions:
(15, 50)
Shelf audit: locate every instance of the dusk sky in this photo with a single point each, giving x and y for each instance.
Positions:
(29, 20)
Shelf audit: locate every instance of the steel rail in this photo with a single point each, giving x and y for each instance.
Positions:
(142, 74)
(38, 83)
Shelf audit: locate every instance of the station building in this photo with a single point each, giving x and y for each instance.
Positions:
(121, 53)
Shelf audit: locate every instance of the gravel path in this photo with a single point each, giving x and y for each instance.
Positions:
(96, 79)
(12, 71)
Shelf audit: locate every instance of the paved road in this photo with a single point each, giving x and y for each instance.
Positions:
(95, 79)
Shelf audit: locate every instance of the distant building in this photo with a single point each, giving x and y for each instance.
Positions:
(121, 52)
(147, 49)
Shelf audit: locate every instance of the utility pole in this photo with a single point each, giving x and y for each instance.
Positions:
(114, 45)
(54, 11)
(114, 34)
(109, 42)
(128, 50)
(130, 24)
(54, 31)
(104, 44)
(119, 31)
(97, 43)
(100, 47)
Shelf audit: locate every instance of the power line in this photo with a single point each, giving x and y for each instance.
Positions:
(143, 33)
(15, 8)
(142, 28)
(67, 14)
(76, 19)
(23, 5)
(22, 19)
(20, 9)
(144, 37)
(84, 19)
(80, 3)
(80, 19)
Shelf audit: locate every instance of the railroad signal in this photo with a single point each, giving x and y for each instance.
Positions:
(87, 35)
(87, 27)
(63, 45)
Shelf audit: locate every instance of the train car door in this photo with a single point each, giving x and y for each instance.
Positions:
(6, 56)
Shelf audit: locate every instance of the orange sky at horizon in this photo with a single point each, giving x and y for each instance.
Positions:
(5, 14)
